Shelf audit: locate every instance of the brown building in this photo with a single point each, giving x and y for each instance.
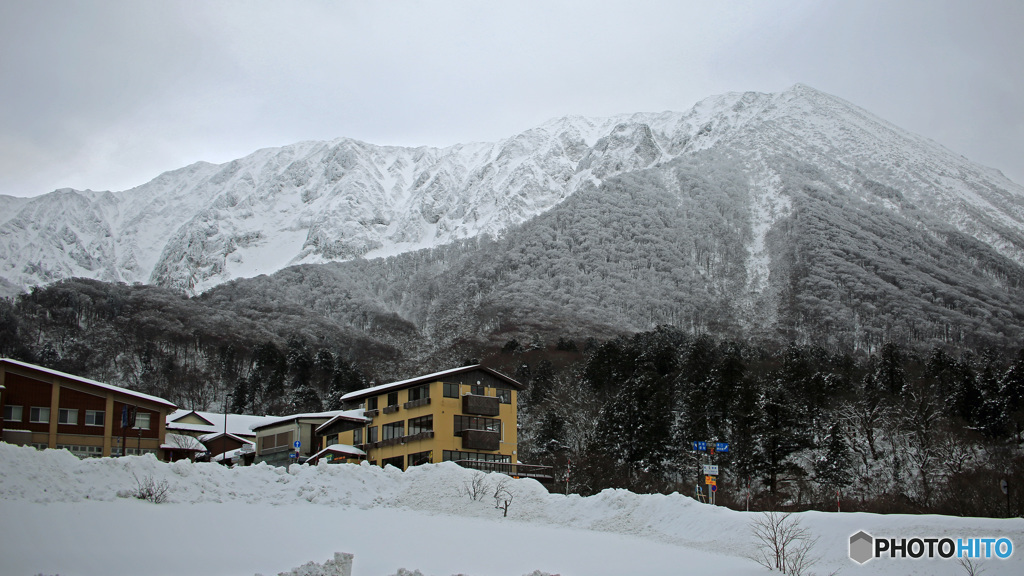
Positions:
(50, 409)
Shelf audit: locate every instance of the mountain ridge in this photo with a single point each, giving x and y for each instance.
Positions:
(315, 202)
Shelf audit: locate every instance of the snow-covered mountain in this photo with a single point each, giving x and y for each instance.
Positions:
(315, 202)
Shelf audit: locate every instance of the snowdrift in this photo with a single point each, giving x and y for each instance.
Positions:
(217, 520)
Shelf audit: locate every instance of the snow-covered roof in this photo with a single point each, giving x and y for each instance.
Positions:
(350, 415)
(182, 442)
(112, 388)
(274, 421)
(238, 424)
(374, 390)
(344, 449)
(208, 437)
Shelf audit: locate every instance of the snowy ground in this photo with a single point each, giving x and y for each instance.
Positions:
(61, 515)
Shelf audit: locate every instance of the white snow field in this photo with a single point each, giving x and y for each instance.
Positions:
(62, 515)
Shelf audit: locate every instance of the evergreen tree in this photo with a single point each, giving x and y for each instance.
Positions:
(542, 382)
(634, 433)
(781, 431)
(892, 376)
(833, 469)
(240, 397)
(1011, 394)
(347, 378)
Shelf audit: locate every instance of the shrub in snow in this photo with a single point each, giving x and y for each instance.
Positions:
(147, 489)
(476, 486)
(783, 544)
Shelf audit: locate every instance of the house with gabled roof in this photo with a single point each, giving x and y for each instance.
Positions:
(289, 439)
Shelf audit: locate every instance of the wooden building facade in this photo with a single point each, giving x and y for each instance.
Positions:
(50, 409)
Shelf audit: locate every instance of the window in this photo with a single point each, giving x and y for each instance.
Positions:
(372, 434)
(393, 399)
(455, 455)
(39, 415)
(94, 417)
(82, 451)
(476, 423)
(419, 458)
(275, 442)
(504, 395)
(67, 416)
(477, 389)
(371, 403)
(421, 424)
(393, 430)
(419, 393)
(13, 413)
(451, 389)
(142, 421)
(357, 436)
(397, 462)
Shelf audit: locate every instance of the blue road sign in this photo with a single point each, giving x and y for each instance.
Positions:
(297, 444)
(721, 446)
(700, 446)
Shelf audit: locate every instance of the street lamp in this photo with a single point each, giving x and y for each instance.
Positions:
(224, 435)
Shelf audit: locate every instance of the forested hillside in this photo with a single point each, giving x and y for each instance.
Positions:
(893, 431)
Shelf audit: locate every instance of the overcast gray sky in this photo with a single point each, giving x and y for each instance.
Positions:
(108, 94)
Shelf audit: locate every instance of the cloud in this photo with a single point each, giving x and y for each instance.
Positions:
(109, 94)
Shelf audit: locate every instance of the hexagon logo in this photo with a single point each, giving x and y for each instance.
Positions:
(861, 545)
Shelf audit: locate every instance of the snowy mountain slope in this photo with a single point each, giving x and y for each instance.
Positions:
(317, 202)
(290, 516)
(675, 244)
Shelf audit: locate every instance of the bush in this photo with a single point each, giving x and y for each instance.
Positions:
(148, 489)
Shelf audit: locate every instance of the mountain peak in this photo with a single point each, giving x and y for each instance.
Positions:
(313, 202)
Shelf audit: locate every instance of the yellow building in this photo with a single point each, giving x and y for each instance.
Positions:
(465, 415)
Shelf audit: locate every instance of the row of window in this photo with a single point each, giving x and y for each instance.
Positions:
(451, 390)
(408, 461)
(456, 455)
(82, 451)
(41, 415)
(425, 424)
(476, 423)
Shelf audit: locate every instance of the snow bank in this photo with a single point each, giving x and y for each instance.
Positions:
(422, 518)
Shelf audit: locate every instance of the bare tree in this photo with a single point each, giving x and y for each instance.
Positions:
(475, 487)
(971, 568)
(503, 495)
(783, 544)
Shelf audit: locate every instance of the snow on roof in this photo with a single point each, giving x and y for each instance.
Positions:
(356, 415)
(274, 421)
(182, 442)
(207, 437)
(426, 378)
(230, 455)
(95, 383)
(339, 449)
(238, 424)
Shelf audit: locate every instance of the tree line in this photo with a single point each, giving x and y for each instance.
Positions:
(897, 431)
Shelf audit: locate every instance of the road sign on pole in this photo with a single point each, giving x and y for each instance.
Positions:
(711, 469)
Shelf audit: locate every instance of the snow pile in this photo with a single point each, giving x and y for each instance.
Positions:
(340, 565)
(59, 514)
